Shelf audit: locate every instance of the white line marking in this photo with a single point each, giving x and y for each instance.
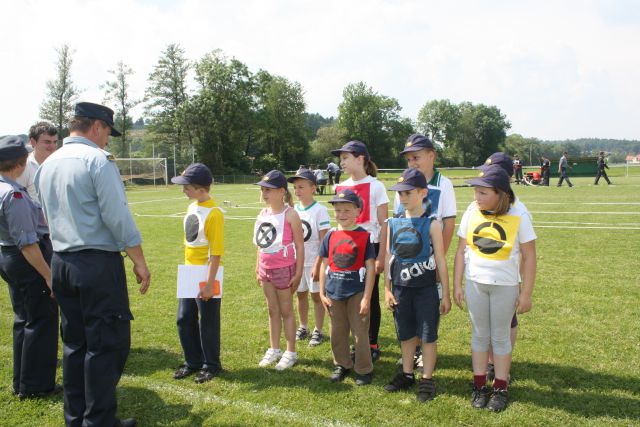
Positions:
(586, 227)
(156, 200)
(584, 203)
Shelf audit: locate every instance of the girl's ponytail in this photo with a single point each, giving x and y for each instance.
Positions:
(370, 168)
(288, 199)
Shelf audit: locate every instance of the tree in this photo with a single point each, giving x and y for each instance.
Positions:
(117, 91)
(328, 138)
(528, 149)
(61, 93)
(439, 119)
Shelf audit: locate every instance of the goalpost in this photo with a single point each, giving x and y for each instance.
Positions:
(143, 171)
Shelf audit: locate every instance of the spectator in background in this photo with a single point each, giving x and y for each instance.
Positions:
(321, 180)
(602, 164)
(43, 137)
(334, 171)
(562, 170)
(517, 169)
(545, 166)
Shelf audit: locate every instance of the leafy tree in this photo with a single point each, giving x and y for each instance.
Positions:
(61, 93)
(439, 120)
(328, 138)
(117, 91)
(314, 121)
(528, 149)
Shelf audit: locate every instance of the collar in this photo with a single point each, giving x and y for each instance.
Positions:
(11, 182)
(300, 208)
(79, 140)
(435, 179)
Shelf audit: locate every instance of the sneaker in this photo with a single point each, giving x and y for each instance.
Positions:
(375, 354)
(399, 382)
(287, 360)
(206, 375)
(417, 361)
(498, 400)
(270, 357)
(479, 397)
(491, 372)
(364, 379)
(339, 374)
(183, 371)
(426, 390)
(302, 334)
(317, 338)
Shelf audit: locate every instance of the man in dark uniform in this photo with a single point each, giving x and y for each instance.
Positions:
(545, 170)
(563, 165)
(90, 222)
(602, 164)
(517, 169)
(25, 254)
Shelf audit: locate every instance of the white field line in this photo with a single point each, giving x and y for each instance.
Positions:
(586, 227)
(156, 200)
(191, 396)
(584, 203)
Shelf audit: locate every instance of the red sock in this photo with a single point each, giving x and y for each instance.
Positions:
(499, 384)
(479, 381)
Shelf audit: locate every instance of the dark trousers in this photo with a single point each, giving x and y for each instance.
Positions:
(602, 173)
(518, 175)
(35, 321)
(564, 177)
(200, 338)
(91, 288)
(376, 315)
(545, 177)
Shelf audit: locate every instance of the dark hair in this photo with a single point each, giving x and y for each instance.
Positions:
(370, 168)
(7, 165)
(42, 128)
(198, 186)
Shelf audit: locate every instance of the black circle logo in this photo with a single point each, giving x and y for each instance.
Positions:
(344, 253)
(407, 242)
(192, 224)
(306, 228)
(486, 244)
(265, 235)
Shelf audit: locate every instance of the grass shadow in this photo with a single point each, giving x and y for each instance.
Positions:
(145, 361)
(148, 408)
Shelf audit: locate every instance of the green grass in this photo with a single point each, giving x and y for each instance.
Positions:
(577, 360)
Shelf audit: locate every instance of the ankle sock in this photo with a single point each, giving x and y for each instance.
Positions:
(479, 381)
(408, 375)
(499, 384)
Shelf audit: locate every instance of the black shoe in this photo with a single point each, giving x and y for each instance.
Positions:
(364, 379)
(339, 374)
(491, 372)
(498, 400)
(400, 382)
(183, 371)
(375, 354)
(479, 397)
(129, 422)
(206, 375)
(426, 390)
(57, 389)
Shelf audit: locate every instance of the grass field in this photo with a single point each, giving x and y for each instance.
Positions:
(577, 361)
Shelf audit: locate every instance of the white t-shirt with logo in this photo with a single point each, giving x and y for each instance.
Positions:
(314, 218)
(373, 194)
(28, 176)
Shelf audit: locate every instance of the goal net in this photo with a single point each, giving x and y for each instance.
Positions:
(143, 171)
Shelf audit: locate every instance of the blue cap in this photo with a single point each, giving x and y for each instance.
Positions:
(12, 147)
(195, 173)
(411, 178)
(273, 179)
(417, 142)
(346, 196)
(493, 176)
(96, 111)
(355, 147)
(501, 159)
(303, 174)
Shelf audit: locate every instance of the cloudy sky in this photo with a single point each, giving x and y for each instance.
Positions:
(557, 69)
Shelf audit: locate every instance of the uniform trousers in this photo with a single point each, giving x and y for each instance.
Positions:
(345, 317)
(602, 173)
(200, 338)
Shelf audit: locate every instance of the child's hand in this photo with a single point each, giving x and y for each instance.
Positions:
(364, 306)
(445, 306)
(379, 266)
(458, 295)
(206, 293)
(523, 304)
(389, 299)
(315, 275)
(325, 301)
(295, 282)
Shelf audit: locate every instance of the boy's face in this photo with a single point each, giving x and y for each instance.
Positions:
(346, 214)
(190, 191)
(412, 199)
(422, 160)
(303, 189)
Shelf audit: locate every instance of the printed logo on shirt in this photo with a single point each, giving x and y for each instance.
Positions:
(265, 235)
(306, 228)
(345, 253)
(191, 227)
(491, 237)
(346, 250)
(364, 192)
(407, 242)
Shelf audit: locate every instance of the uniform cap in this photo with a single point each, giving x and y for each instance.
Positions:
(492, 176)
(12, 147)
(96, 111)
(195, 173)
(411, 178)
(303, 174)
(417, 142)
(346, 196)
(354, 147)
(273, 179)
(501, 159)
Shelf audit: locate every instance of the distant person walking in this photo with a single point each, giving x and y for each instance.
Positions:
(562, 170)
(602, 165)
(517, 169)
(545, 166)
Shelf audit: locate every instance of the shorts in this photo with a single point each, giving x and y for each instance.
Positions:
(306, 284)
(279, 277)
(417, 313)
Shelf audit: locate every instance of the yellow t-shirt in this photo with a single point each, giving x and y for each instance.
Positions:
(214, 232)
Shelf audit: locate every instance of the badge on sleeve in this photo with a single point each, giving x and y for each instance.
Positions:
(17, 195)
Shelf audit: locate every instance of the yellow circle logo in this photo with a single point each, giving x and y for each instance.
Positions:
(408, 144)
(341, 195)
(266, 178)
(481, 174)
(401, 179)
(487, 162)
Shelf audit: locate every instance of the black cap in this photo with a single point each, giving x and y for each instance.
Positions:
(411, 178)
(347, 196)
(501, 159)
(355, 147)
(493, 176)
(12, 147)
(273, 179)
(195, 173)
(303, 174)
(417, 142)
(96, 111)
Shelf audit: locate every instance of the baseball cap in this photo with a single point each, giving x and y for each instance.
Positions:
(411, 178)
(354, 147)
(12, 147)
(346, 196)
(303, 174)
(417, 142)
(195, 173)
(501, 159)
(493, 176)
(96, 111)
(273, 179)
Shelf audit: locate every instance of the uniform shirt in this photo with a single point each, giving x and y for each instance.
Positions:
(314, 218)
(214, 234)
(492, 254)
(332, 167)
(563, 162)
(412, 262)
(29, 175)
(84, 200)
(440, 201)
(373, 194)
(21, 219)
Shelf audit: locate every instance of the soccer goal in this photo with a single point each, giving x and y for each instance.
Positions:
(143, 171)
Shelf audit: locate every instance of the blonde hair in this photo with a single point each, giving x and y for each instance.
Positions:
(288, 199)
(505, 200)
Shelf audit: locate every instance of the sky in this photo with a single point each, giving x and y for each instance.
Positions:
(556, 69)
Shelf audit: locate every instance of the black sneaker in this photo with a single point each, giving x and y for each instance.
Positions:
(491, 372)
(317, 338)
(426, 390)
(364, 379)
(205, 375)
(479, 397)
(183, 371)
(400, 382)
(339, 374)
(302, 334)
(498, 400)
(375, 354)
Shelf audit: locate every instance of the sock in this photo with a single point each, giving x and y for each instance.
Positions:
(319, 330)
(479, 381)
(408, 375)
(276, 350)
(293, 353)
(499, 384)
(306, 327)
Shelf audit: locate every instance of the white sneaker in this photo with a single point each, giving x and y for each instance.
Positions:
(270, 357)
(287, 360)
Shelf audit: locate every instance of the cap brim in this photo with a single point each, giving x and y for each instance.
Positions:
(292, 179)
(115, 132)
(334, 201)
(337, 152)
(480, 182)
(403, 187)
(412, 149)
(266, 184)
(180, 180)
